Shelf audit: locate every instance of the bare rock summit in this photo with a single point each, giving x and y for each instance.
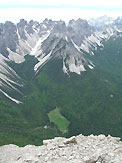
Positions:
(77, 149)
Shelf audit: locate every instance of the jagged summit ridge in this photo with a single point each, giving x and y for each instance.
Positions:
(80, 149)
(51, 40)
(46, 40)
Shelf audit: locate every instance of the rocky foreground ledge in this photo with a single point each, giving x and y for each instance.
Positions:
(79, 149)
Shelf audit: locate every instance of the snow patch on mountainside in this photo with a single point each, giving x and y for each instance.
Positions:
(31, 46)
(6, 71)
(8, 83)
(13, 56)
(73, 65)
(8, 78)
(91, 67)
(42, 61)
(75, 46)
(94, 41)
(36, 50)
(9, 97)
(76, 68)
(64, 68)
(25, 47)
(91, 42)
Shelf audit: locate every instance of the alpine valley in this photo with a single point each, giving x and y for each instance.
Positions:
(59, 79)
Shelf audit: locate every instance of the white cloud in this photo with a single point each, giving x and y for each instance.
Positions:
(102, 3)
(72, 10)
(15, 14)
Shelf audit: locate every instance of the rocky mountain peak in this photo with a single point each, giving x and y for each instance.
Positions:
(78, 30)
(60, 27)
(53, 39)
(100, 22)
(22, 23)
(79, 22)
(8, 37)
(118, 21)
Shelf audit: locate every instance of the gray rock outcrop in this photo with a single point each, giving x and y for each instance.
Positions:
(79, 149)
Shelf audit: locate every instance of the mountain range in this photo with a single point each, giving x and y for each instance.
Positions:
(59, 79)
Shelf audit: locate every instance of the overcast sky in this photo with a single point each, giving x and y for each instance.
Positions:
(14, 10)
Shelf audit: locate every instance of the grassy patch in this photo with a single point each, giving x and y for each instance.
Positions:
(60, 121)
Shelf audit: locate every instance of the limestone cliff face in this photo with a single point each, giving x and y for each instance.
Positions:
(79, 149)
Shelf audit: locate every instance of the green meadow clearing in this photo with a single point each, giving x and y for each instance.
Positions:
(60, 121)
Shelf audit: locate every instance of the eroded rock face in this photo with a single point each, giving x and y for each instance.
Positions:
(79, 149)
